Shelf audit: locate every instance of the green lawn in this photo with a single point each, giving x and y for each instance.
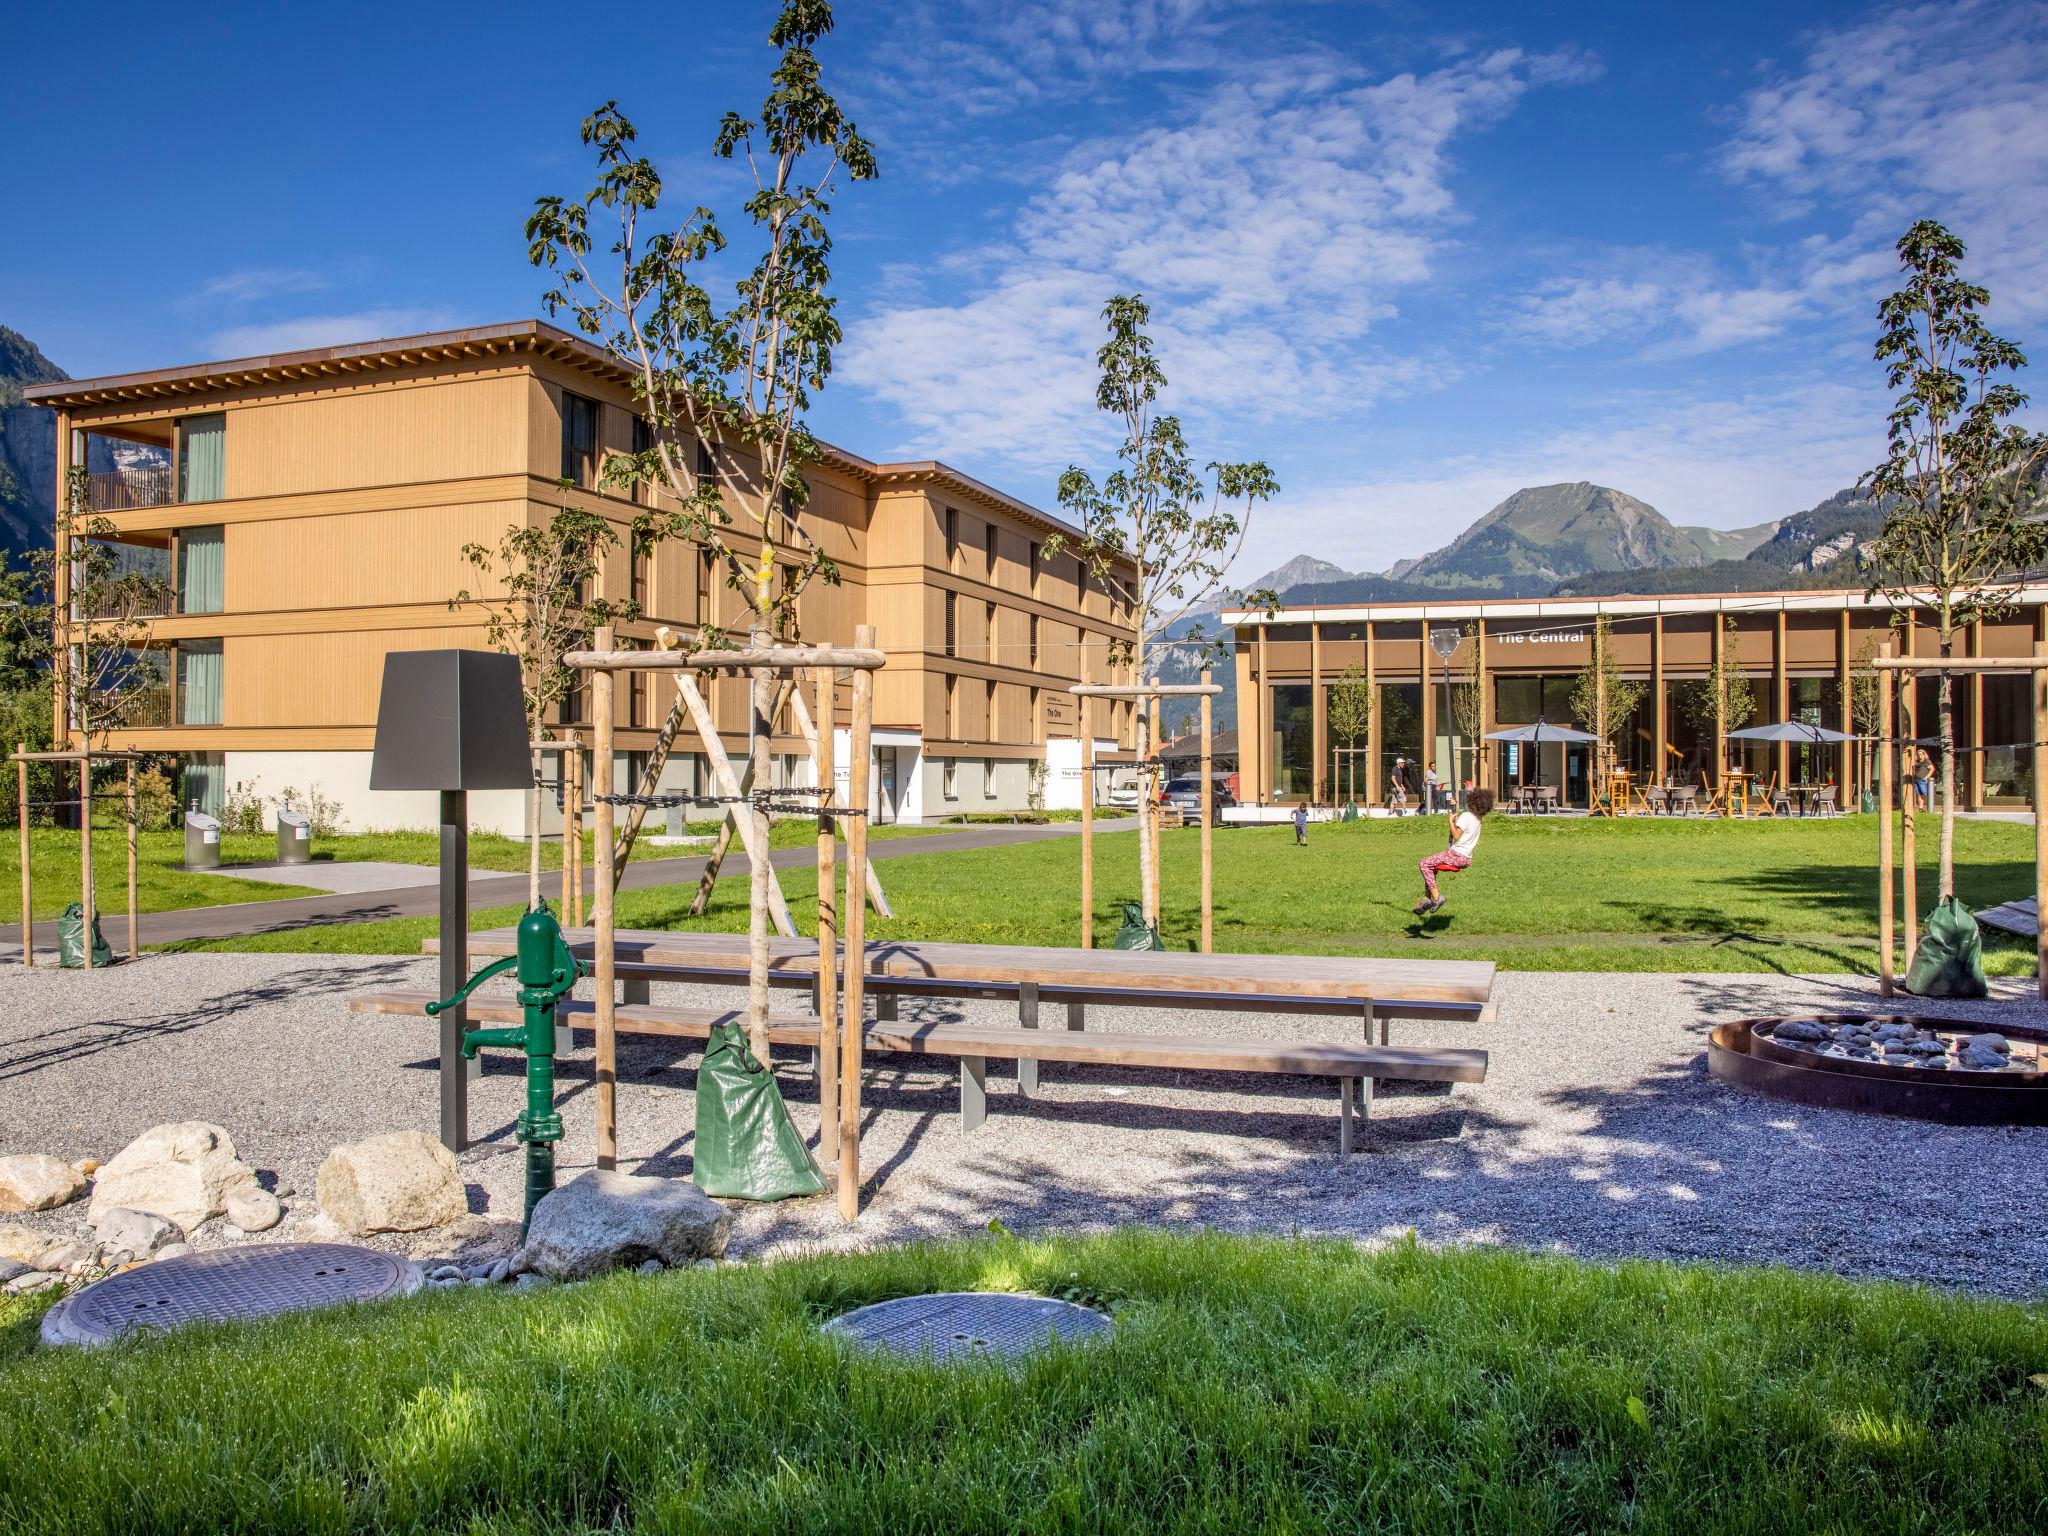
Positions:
(1545, 894)
(163, 885)
(1247, 1385)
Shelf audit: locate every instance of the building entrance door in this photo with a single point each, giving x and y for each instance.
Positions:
(885, 773)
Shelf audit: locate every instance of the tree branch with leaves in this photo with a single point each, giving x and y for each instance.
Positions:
(539, 607)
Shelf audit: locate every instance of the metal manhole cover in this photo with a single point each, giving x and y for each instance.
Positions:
(227, 1285)
(956, 1324)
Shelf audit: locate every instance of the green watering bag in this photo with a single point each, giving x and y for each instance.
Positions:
(71, 939)
(1132, 933)
(746, 1147)
(1949, 961)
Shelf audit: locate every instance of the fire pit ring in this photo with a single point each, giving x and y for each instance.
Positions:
(1746, 1054)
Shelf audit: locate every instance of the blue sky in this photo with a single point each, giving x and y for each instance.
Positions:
(1414, 255)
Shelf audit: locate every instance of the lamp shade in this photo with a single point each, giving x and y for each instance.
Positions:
(451, 720)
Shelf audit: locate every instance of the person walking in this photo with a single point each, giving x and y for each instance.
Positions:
(1397, 787)
(1464, 827)
(1301, 826)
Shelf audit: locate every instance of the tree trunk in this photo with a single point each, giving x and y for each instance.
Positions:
(1148, 822)
(760, 872)
(533, 841)
(1945, 709)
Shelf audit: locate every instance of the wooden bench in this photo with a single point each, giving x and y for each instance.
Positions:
(1354, 1066)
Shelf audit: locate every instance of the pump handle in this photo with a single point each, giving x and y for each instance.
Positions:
(495, 968)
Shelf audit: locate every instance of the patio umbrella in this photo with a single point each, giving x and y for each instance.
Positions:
(1539, 732)
(1797, 732)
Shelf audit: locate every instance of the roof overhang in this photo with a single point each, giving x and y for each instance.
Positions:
(1823, 601)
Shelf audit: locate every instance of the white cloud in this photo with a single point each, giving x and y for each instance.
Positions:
(1922, 111)
(253, 283)
(1271, 230)
(308, 331)
(1719, 462)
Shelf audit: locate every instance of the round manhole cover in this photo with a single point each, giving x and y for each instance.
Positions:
(225, 1285)
(957, 1324)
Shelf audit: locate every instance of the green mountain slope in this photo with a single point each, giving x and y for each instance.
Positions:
(28, 445)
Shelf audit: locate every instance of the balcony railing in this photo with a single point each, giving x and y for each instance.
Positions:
(148, 707)
(121, 490)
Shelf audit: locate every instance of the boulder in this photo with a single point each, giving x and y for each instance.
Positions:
(128, 1237)
(1799, 1029)
(69, 1258)
(181, 1172)
(1989, 1041)
(606, 1220)
(404, 1181)
(22, 1244)
(36, 1181)
(253, 1208)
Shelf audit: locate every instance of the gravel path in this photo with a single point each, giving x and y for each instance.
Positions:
(1597, 1132)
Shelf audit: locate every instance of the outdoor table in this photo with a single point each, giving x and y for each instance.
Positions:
(1734, 782)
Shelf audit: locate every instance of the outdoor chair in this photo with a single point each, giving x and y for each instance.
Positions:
(1685, 799)
(1824, 801)
(1658, 799)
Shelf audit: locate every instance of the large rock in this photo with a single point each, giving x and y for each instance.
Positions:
(404, 1181)
(36, 1181)
(22, 1244)
(609, 1220)
(181, 1172)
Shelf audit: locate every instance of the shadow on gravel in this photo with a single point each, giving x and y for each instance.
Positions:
(77, 1042)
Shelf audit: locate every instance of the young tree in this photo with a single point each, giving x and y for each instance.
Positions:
(1156, 534)
(1350, 718)
(1866, 712)
(1962, 478)
(97, 604)
(538, 607)
(723, 387)
(1723, 700)
(1602, 700)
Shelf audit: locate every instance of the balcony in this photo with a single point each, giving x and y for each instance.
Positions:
(130, 487)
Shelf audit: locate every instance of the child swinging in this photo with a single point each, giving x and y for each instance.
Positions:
(1464, 827)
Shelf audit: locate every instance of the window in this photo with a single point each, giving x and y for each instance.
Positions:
(990, 535)
(579, 439)
(952, 536)
(989, 731)
(636, 707)
(706, 469)
(707, 585)
(572, 707)
(1037, 555)
(199, 682)
(988, 778)
(202, 570)
(1037, 732)
(949, 780)
(202, 458)
(643, 442)
(952, 709)
(989, 634)
(1034, 640)
(952, 622)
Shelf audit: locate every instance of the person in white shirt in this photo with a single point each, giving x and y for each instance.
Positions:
(1464, 827)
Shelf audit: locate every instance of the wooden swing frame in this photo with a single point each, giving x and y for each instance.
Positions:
(1148, 810)
(839, 1046)
(1886, 665)
(85, 759)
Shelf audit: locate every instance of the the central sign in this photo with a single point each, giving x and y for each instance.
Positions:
(1540, 637)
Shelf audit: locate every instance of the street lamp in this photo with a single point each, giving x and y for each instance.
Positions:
(1445, 643)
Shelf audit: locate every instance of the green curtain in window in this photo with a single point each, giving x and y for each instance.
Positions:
(202, 570)
(199, 682)
(203, 465)
(206, 785)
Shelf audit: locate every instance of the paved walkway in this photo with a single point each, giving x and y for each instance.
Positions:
(494, 889)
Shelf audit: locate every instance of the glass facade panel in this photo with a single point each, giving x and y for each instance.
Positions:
(1400, 721)
(1293, 740)
(1522, 700)
(199, 682)
(202, 570)
(203, 458)
(2008, 765)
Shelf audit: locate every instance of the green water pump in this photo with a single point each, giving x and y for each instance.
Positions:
(547, 973)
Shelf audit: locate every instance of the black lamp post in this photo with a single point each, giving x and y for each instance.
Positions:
(452, 721)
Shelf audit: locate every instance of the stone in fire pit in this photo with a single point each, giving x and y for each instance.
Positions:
(1903, 1043)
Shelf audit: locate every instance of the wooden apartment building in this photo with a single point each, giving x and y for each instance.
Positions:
(309, 511)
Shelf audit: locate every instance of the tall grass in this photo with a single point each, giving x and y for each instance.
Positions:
(1249, 1385)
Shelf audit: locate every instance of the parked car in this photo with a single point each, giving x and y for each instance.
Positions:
(1121, 790)
(1184, 794)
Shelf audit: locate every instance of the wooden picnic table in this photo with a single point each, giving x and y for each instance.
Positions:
(1351, 978)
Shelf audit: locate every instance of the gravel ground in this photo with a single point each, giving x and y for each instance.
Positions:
(1597, 1132)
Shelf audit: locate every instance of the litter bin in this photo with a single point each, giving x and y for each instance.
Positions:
(294, 837)
(202, 841)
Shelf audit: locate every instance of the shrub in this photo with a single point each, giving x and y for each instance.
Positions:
(156, 802)
(323, 814)
(241, 808)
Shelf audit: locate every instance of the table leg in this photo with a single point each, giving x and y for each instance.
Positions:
(1027, 1015)
(973, 1092)
(1370, 1014)
(885, 1007)
(1077, 1016)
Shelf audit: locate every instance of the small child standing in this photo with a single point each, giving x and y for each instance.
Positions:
(1301, 826)
(1464, 842)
